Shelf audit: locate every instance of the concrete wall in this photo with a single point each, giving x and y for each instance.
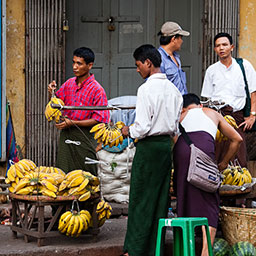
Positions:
(247, 40)
(15, 66)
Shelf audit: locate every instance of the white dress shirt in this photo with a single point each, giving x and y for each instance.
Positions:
(158, 108)
(227, 84)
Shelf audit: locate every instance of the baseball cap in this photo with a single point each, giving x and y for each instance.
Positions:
(170, 28)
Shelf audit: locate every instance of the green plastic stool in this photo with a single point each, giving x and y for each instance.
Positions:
(183, 233)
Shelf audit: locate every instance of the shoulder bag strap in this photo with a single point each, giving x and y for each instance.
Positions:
(247, 108)
(185, 135)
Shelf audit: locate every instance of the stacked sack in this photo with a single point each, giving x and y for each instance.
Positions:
(115, 176)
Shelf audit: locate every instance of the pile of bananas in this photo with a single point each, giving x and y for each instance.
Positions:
(104, 211)
(25, 178)
(79, 183)
(73, 223)
(53, 113)
(109, 134)
(221, 137)
(236, 175)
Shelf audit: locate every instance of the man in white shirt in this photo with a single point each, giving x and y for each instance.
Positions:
(158, 109)
(224, 82)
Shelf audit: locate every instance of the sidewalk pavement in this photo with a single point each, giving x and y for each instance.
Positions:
(109, 241)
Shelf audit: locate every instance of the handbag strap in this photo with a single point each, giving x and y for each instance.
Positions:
(247, 108)
(185, 135)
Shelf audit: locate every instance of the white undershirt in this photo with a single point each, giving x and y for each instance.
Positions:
(227, 84)
(158, 108)
(196, 120)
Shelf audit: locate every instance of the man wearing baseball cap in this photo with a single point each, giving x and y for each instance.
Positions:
(170, 42)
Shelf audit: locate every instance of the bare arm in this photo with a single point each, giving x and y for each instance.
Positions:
(82, 123)
(249, 121)
(233, 136)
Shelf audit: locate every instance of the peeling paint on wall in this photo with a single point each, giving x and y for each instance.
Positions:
(15, 65)
(247, 40)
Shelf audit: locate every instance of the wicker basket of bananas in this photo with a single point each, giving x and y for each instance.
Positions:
(109, 134)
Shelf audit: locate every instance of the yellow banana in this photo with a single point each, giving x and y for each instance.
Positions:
(241, 181)
(108, 214)
(47, 192)
(64, 218)
(85, 196)
(231, 120)
(102, 215)
(71, 175)
(26, 190)
(94, 181)
(76, 226)
(119, 125)
(7, 181)
(226, 171)
(97, 127)
(71, 225)
(83, 185)
(246, 171)
(11, 189)
(87, 216)
(77, 181)
(49, 185)
(229, 178)
(22, 183)
(100, 206)
(11, 174)
(81, 225)
(85, 222)
(101, 221)
(63, 185)
(237, 176)
(99, 133)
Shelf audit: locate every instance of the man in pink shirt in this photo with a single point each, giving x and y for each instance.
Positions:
(76, 142)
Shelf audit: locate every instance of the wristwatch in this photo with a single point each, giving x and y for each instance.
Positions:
(253, 113)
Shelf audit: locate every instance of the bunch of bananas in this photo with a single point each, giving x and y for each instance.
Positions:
(52, 113)
(109, 134)
(79, 183)
(25, 178)
(19, 170)
(104, 211)
(73, 223)
(38, 183)
(221, 137)
(236, 175)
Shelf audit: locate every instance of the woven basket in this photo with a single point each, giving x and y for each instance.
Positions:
(238, 224)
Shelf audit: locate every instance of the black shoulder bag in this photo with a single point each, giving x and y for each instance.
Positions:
(247, 107)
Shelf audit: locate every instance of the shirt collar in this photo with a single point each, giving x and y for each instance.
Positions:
(157, 76)
(175, 54)
(86, 81)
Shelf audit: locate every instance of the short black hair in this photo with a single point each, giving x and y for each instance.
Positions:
(86, 53)
(189, 99)
(164, 40)
(222, 34)
(148, 51)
